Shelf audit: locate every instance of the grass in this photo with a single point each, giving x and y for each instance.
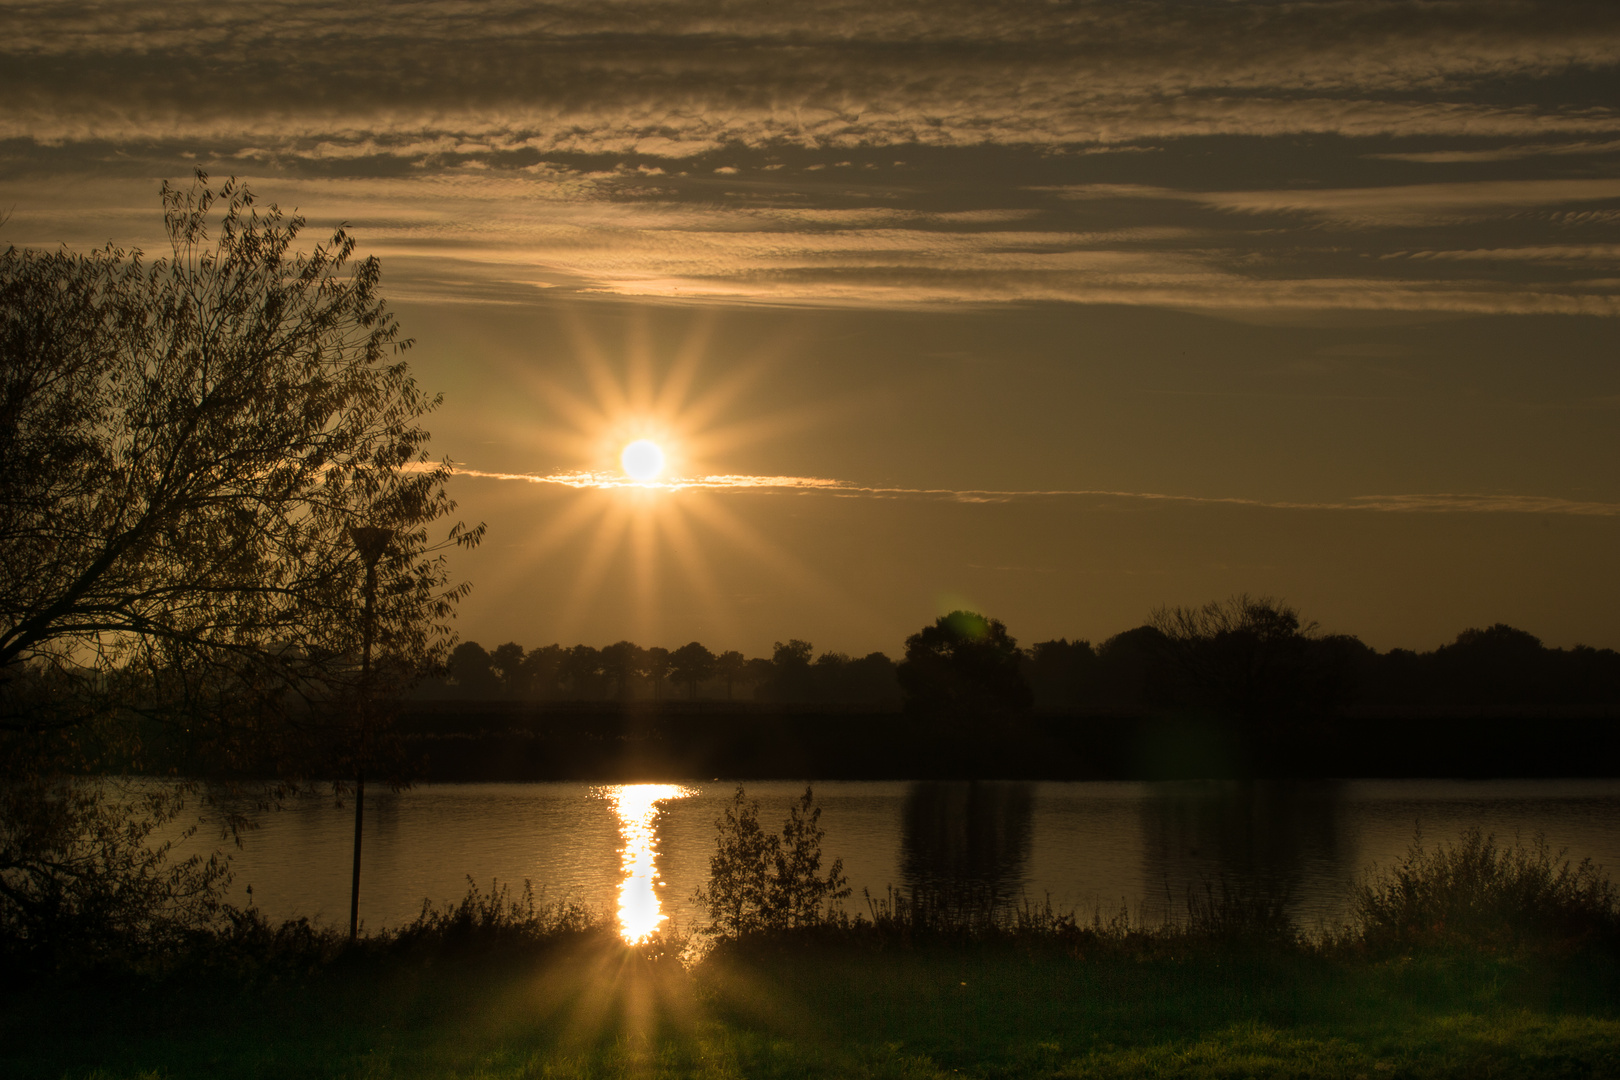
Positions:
(498, 987)
(581, 1004)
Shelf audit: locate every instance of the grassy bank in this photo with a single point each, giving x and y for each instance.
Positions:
(584, 1005)
(1463, 960)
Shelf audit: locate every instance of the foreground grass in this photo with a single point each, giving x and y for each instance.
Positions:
(581, 1005)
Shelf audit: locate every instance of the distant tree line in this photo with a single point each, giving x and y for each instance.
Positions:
(1256, 658)
(1242, 657)
(625, 671)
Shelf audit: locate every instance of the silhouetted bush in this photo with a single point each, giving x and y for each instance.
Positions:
(1472, 892)
(761, 882)
(86, 878)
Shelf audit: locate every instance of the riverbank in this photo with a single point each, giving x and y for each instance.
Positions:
(512, 741)
(1465, 960)
(587, 1006)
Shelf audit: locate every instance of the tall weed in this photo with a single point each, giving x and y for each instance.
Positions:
(496, 919)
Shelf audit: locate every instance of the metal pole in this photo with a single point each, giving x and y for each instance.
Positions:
(370, 542)
(354, 887)
(359, 772)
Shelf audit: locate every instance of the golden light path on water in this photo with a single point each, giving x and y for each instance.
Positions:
(640, 913)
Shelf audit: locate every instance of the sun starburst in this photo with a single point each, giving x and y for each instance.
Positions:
(644, 432)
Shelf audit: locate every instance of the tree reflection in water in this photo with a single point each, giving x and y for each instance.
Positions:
(1265, 837)
(967, 842)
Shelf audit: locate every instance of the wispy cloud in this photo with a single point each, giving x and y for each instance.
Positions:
(1377, 205)
(1417, 204)
(675, 80)
(472, 235)
(1515, 152)
(840, 153)
(1435, 503)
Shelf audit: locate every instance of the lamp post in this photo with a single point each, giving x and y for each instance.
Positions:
(370, 542)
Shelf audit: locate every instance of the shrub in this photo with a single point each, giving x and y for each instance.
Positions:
(86, 874)
(760, 881)
(1475, 893)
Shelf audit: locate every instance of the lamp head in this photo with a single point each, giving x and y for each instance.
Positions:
(370, 541)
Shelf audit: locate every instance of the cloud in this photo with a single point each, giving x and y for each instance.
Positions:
(1501, 153)
(1417, 204)
(1564, 253)
(677, 80)
(838, 153)
(1378, 205)
(1438, 503)
(472, 235)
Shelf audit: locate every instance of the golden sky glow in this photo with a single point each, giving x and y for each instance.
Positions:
(1066, 310)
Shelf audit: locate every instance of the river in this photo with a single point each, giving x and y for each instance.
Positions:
(638, 852)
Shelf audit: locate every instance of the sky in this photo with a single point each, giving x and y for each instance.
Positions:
(1058, 311)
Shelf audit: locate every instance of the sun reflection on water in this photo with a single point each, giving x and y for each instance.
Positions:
(640, 914)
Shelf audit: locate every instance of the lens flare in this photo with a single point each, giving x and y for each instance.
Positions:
(642, 460)
(640, 914)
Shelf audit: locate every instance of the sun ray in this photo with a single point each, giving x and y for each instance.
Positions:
(611, 394)
(683, 545)
(560, 530)
(599, 555)
(638, 389)
(644, 550)
(748, 372)
(819, 591)
(674, 396)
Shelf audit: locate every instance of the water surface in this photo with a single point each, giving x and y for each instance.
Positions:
(637, 853)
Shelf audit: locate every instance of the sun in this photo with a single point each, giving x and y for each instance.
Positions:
(642, 460)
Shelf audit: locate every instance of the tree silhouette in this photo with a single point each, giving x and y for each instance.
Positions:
(186, 445)
(1248, 657)
(623, 662)
(507, 662)
(761, 882)
(582, 668)
(1060, 672)
(789, 678)
(473, 670)
(691, 664)
(658, 665)
(730, 667)
(542, 672)
(963, 664)
(759, 672)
